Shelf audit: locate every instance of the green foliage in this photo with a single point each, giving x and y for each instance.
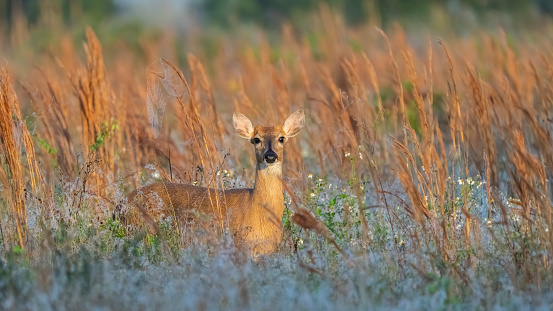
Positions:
(14, 273)
(414, 117)
(108, 129)
(268, 13)
(17, 250)
(115, 229)
(272, 12)
(47, 146)
(93, 11)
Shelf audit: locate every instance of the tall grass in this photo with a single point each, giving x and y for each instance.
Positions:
(426, 160)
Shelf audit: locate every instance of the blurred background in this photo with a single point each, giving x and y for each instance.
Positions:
(41, 22)
(427, 150)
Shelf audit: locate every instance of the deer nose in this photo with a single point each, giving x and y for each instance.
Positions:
(271, 156)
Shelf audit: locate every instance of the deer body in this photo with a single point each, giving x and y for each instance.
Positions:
(252, 216)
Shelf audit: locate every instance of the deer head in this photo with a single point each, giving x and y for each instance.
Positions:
(269, 141)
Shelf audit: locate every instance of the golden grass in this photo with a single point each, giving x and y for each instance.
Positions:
(15, 135)
(422, 114)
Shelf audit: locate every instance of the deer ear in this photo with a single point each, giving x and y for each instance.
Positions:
(242, 125)
(293, 125)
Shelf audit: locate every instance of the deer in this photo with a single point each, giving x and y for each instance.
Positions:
(252, 216)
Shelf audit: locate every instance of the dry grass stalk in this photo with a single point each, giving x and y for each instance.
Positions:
(92, 90)
(12, 159)
(214, 199)
(12, 126)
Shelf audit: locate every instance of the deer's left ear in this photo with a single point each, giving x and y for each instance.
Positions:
(293, 125)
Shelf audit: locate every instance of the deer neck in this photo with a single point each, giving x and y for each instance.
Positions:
(268, 192)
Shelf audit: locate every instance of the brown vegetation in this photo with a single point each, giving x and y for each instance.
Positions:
(426, 114)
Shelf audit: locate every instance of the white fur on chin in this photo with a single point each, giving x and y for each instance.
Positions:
(270, 169)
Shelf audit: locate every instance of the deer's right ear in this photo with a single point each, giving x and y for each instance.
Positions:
(242, 125)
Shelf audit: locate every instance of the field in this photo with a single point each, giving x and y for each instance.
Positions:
(423, 172)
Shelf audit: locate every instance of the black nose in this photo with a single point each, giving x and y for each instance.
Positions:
(271, 156)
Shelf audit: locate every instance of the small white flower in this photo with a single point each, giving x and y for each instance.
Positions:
(360, 156)
(312, 194)
(310, 175)
(155, 174)
(347, 154)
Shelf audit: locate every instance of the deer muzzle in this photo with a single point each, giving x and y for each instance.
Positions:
(271, 156)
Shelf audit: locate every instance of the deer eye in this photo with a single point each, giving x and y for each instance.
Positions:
(281, 140)
(256, 141)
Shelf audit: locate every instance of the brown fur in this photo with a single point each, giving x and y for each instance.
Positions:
(253, 216)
